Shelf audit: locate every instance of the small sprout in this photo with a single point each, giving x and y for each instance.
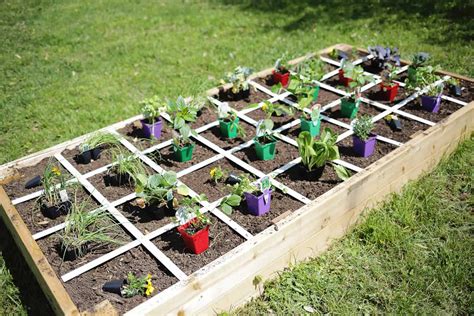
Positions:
(238, 78)
(137, 286)
(217, 174)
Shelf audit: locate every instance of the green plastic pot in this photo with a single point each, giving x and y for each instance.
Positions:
(316, 93)
(349, 108)
(183, 154)
(265, 151)
(228, 129)
(308, 126)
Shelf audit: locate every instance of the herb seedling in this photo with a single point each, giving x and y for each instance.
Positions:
(181, 112)
(271, 109)
(100, 140)
(151, 108)
(217, 174)
(137, 286)
(238, 78)
(362, 127)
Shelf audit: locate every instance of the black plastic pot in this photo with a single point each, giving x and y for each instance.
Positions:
(95, 153)
(113, 286)
(34, 182)
(233, 179)
(314, 174)
(455, 90)
(395, 124)
(117, 180)
(170, 210)
(243, 94)
(71, 254)
(54, 211)
(85, 157)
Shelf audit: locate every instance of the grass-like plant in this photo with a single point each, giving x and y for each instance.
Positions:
(238, 78)
(84, 229)
(100, 139)
(126, 165)
(363, 126)
(137, 286)
(54, 182)
(316, 153)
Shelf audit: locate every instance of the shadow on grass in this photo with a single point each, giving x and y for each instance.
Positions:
(304, 14)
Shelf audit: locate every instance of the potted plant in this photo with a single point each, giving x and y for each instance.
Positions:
(258, 196)
(418, 60)
(388, 86)
(92, 147)
(194, 226)
(85, 230)
(265, 142)
(425, 78)
(270, 109)
(350, 104)
(315, 154)
(384, 56)
(158, 190)
(363, 141)
(310, 122)
(454, 87)
(183, 146)
(131, 286)
(229, 122)
(239, 80)
(281, 73)
(55, 200)
(124, 169)
(181, 112)
(303, 82)
(151, 123)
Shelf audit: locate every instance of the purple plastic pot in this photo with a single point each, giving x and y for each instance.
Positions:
(431, 104)
(256, 204)
(150, 130)
(364, 148)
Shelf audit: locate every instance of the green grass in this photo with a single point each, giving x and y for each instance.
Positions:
(71, 67)
(411, 255)
(9, 295)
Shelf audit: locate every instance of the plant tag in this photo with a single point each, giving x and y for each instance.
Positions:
(182, 215)
(223, 109)
(265, 183)
(169, 195)
(63, 195)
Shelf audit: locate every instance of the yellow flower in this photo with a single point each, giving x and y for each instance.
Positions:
(149, 287)
(212, 172)
(56, 171)
(264, 107)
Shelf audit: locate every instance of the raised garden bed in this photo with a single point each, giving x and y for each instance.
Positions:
(305, 214)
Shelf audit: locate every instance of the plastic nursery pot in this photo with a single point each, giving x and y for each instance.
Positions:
(71, 254)
(364, 148)
(267, 150)
(117, 179)
(154, 129)
(344, 80)
(281, 77)
(54, 211)
(309, 126)
(348, 108)
(389, 92)
(198, 242)
(85, 157)
(228, 128)
(113, 286)
(431, 104)
(183, 154)
(314, 174)
(242, 94)
(33, 182)
(455, 90)
(256, 205)
(316, 93)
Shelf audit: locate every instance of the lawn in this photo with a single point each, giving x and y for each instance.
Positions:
(71, 67)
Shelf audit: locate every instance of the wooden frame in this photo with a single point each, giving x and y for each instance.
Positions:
(227, 282)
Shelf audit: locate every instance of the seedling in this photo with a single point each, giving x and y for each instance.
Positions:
(229, 122)
(281, 64)
(271, 109)
(389, 75)
(181, 112)
(357, 79)
(217, 174)
(310, 122)
(238, 78)
(98, 140)
(125, 167)
(384, 56)
(54, 201)
(425, 77)
(420, 60)
(316, 153)
(183, 146)
(137, 286)
(194, 225)
(264, 141)
(159, 189)
(363, 126)
(151, 109)
(237, 192)
(310, 69)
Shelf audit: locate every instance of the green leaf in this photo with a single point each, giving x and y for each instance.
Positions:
(342, 172)
(226, 209)
(182, 190)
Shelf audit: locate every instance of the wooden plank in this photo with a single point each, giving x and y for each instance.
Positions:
(310, 230)
(55, 292)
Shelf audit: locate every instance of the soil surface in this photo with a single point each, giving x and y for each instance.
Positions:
(16, 187)
(256, 96)
(72, 155)
(134, 134)
(298, 179)
(446, 108)
(111, 192)
(348, 155)
(86, 289)
(278, 121)
(200, 180)
(166, 157)
(222, 239)
(214, 135)
(35, 220)
(409, 127)
(280, 204)
(284, 154)
(207, 115)
(295, 130)
(467, 92)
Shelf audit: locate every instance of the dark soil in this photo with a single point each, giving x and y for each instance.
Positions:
(409, 127)
(334, 81)
(147, 219)
(298, 179)
(86, 289)
(376, 94)
(200, 180)
(134, 133)
(278, 121)
(467, 93)
(295, 130)
(325, 97)
(71, 155)
(446, 108)
(208, 115)
(256, 96)
(364, 109)
(16, 187)
(51, 249)
(166, 157)
(222, 239)
(348, 155)
(111, 192)
(255, 224)
(214, 135)
(35, 221)
(284, 154)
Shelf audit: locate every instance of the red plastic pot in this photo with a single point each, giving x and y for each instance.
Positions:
(198, 242)
(389, 92)
(344, 80)
(282, 78)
